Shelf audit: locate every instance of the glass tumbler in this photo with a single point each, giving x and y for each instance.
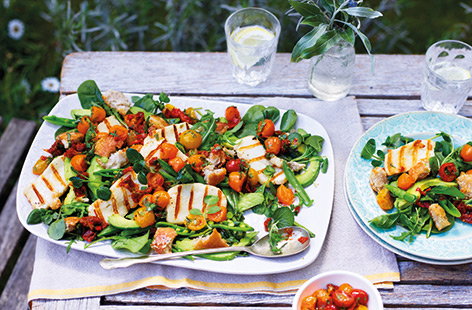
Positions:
(447, 76)
(251, 37)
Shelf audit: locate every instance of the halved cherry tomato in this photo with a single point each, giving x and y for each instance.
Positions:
(265, 128)
(144, 218)
(146, 200)
(253, 177)
(119, 132)
(196, 162)
(155, 180)
(236, 180)
(285, 195)
(176, 163)
(345, 287)
(98, 114)
(83, 125)
(330, 287)
(405, 181)
(161, 199)
(232, 116)
(466, 152)
(219, 216)
(233, 165)
(342, 299)
(190, 139)
(273, 145)
(323, 298)
(195, 222)
(41, 165)
(78, 163)
(360, 296)
(448, 172)
(168, 151)
(308, 303)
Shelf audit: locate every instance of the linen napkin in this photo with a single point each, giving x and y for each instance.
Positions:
(58, 275)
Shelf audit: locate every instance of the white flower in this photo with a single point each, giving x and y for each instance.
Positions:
(50, 84)
(16, 29)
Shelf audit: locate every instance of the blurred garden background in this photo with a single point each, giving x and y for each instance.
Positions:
(35, 35)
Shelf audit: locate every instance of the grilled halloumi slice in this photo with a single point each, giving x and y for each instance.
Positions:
(107, 123)
(151, 150)
(185, 197)
(439, 216)
(45, 191)
(405, 157)
(117, 100)
(172, 132)
(120, 201)
(250, 149)
(116, 160)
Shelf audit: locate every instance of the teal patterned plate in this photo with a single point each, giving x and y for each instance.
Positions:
(453, 245)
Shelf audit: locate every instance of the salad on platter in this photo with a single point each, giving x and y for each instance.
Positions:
(153, 178)
(424, 185)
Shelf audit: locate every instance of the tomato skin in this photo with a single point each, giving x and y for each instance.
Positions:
(345, 287)
(466, 152)
(236, 180)
(98, 114)
(233, 165)
(342, 299)
(265, 128)
(308, 303)
(144, 218)
(196, 162)
(405, 181)
(232, 116)
(219, 216)
(41, 165)
(168, 151)
(448, 172)
(161, 199)
(190, 139)
(360, 296)
(285, 195)
(78, 163)
(273, 145)
(155, 180)
(83, 125)
(323, 298)
(195, 222)
(176, 163)
(253, 177)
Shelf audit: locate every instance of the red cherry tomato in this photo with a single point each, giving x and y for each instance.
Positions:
(273, 145)
(448, 172)
(342, 299)
(265, 128)
(360, 296)
(232, 116)
(233, 165)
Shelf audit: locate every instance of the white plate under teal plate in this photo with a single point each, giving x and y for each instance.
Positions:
(453, 245)
(315, 218)
(374, 237)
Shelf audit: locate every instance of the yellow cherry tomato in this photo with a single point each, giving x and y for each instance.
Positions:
(190, 139)
(195, 222)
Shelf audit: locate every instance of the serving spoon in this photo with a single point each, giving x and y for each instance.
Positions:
(296, 240)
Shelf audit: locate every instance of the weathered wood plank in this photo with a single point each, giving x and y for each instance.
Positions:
(120, 307)
(414, 272)
(11, 235)
(92, 303)
(194, 73)
(13, 142)
(402, 295)
(370, 121)
(14, 296)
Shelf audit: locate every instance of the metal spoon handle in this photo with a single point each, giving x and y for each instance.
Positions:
(112, 263)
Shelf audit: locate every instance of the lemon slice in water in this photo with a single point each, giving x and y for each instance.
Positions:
(249, 37)
(453, 73)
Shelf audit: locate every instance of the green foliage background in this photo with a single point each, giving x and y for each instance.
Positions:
(54, 28)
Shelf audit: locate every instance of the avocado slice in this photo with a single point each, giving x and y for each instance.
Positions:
(69, 173)
(310, 174)
(423, 184)
(119, 221)
(78, 113)
(94, 180)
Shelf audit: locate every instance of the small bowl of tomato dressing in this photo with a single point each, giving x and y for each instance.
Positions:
(338, 290)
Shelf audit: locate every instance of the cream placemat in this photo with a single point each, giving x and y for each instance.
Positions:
(58, 275)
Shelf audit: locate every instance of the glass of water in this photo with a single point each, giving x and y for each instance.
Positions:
(251, 37)
(447, 76)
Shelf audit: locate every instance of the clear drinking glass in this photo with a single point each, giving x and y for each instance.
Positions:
(251, 37)
(447, 76)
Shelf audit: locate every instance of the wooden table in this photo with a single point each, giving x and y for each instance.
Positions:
(393, 88)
